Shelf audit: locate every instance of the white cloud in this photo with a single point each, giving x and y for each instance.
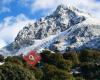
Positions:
(86, 5)
(4, 9)
(25, 3)
(45, 4)
(2, 43)
(90, 6)
(11, 26)
(4, 5)
(5, 2)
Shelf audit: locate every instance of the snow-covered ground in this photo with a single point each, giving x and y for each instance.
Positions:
(1, 63)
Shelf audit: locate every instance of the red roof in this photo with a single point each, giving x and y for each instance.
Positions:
(32, 58)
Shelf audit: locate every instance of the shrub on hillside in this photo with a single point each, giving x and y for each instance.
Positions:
(11, 71)
(51, 72)
(89, 55)
(72, 56)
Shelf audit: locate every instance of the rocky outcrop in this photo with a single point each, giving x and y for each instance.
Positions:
(69, 26)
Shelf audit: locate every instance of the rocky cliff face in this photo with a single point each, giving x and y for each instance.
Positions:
(59, 21)
(65, 27)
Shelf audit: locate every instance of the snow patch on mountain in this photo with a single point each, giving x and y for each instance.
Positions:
(66, 27)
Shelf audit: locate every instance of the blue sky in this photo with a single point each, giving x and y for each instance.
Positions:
(15, 14)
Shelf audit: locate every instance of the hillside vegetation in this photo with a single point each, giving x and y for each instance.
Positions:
(72, 65)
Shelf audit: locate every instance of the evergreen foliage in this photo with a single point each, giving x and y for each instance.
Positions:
(54, 66)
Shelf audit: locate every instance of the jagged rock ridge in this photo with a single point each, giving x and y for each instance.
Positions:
(65, 27)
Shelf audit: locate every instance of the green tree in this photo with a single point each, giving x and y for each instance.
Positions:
(89, 55)
(11, 71)
(72, 56)
(15, 59)
(51, 72)
(1, 58)
(55, 58)
(79, 78)
(45, 56)
(38, 73)
(64, 64)
(90, 71)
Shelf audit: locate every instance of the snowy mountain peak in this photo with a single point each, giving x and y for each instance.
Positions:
(62, 9)
(61, 19)
(65, 27)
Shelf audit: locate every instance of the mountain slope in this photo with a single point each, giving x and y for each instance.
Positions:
(65, 27)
